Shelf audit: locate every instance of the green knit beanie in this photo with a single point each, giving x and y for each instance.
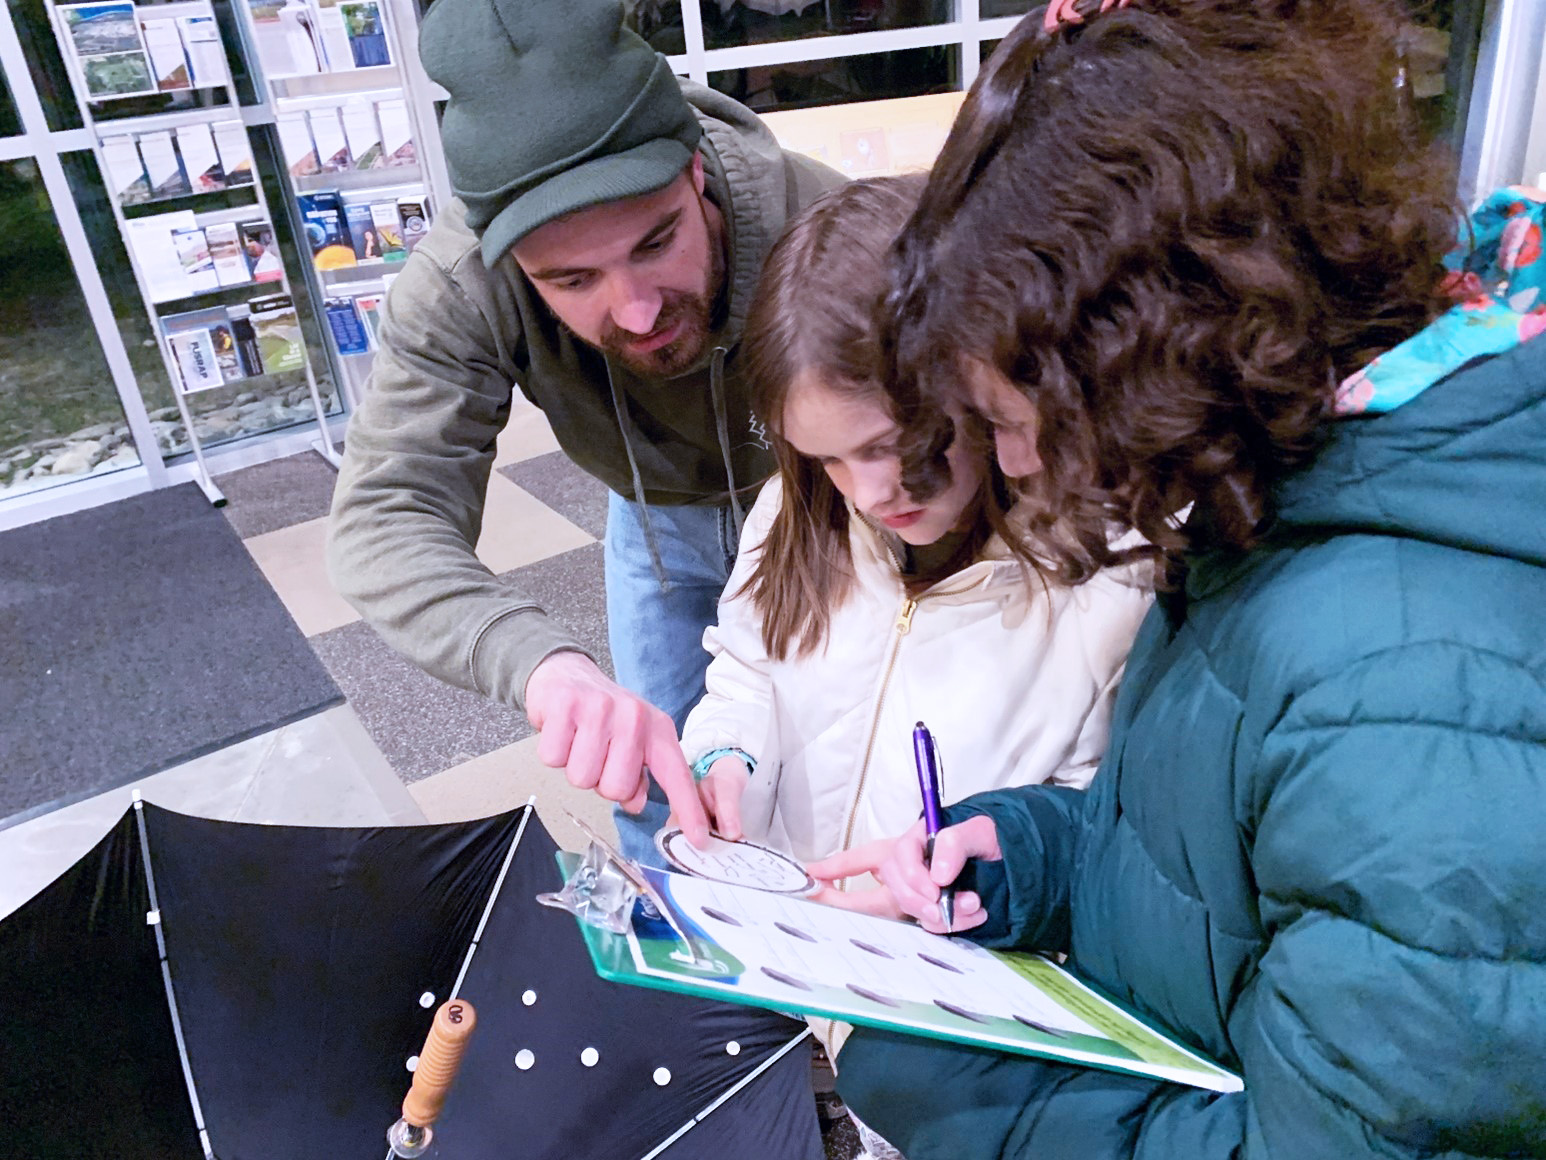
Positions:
(555, 106)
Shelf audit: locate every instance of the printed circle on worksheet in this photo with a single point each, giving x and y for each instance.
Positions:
(740, 863)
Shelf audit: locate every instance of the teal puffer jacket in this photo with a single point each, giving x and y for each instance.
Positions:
(1316, 850)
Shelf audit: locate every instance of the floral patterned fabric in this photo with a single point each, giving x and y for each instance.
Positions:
(1499, 281)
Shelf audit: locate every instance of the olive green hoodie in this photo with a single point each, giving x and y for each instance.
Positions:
(457, 337)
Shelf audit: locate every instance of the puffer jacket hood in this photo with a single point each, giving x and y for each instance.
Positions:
(1395, 473)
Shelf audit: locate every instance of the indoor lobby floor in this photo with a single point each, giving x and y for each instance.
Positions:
(406, 748)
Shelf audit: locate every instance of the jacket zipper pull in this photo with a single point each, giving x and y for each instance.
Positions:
(904, 620)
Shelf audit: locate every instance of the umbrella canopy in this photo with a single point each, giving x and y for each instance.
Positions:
(301, 970)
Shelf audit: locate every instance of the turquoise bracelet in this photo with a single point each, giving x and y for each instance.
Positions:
(701, 767)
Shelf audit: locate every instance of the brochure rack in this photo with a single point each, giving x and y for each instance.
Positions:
(116, 50)
(350, 144)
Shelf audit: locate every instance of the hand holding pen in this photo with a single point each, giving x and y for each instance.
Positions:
(926, 757)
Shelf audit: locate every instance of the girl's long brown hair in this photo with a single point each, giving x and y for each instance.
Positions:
(814, 317)
(1174, 227)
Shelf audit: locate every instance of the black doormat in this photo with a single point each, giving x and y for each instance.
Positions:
(135, 636)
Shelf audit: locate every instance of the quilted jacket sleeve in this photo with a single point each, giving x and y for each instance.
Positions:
(1400, 1007)
(736, 712)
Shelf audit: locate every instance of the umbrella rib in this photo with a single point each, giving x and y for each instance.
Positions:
(746, 1079)
(166, 978)
(488, 909)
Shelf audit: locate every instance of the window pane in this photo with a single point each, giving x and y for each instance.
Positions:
(659, 22)
(985, 49)
(59, 415)
(245, 407)
(48, 72)
(874, 76)
(732, 22)
(10, 123)
(992, 8)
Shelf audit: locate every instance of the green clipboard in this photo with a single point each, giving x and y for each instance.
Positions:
(1038, 1008)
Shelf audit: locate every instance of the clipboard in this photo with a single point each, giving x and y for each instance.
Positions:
(803, 958)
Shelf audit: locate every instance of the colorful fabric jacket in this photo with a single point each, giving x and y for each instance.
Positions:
(1316, 850)
(458, 338)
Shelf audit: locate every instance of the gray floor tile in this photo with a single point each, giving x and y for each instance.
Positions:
(277, 494)
(422, 724)
(579, 497)
(322, 771)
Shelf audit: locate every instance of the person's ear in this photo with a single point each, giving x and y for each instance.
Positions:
(697, 172)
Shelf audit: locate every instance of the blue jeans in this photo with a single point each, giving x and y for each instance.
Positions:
(656, 635)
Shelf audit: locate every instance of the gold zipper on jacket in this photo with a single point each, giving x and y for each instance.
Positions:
(904, 624)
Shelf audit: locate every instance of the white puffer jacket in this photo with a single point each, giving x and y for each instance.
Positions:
(1016, 684)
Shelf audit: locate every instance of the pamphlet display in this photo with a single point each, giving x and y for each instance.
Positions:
(307, 37)
(126, 51)
(194, 259)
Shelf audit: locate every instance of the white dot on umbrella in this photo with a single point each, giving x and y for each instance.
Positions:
(589, 1056)
(426, 1000)
(662, 1076)
(525, 1058)
(528, 997)
(413, 1063)
(732, 1048)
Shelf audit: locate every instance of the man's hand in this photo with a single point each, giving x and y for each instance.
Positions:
(603, 737)
(721, 792)
(913, 888)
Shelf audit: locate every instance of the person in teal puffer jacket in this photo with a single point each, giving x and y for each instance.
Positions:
(1193, 256)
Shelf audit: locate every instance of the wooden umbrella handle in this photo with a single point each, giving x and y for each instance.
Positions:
(439, 1061)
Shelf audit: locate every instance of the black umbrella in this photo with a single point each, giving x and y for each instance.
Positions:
(200, 988)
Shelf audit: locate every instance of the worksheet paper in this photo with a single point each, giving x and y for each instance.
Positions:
(801, 956)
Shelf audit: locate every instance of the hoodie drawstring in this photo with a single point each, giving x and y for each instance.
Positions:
(625, 426)
(722, 425)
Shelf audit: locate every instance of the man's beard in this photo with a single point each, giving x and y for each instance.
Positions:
(695, 311)
(664, 362)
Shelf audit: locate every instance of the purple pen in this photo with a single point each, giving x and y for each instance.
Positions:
(926, 757)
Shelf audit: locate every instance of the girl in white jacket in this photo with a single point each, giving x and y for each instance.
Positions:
(856, 609)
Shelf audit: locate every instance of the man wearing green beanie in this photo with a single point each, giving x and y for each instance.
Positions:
(609, 226)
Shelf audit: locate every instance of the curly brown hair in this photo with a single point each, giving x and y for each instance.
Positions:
(1174, 227)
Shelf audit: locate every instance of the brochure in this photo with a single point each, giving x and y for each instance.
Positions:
(162, 166)
(397, 146)
(201, 161)
(125, 170)
(286, 36)
(791, 954)
(246, 339)
(335, 37)
(389, 229)
(193, 354)
(413, 213)
(363, 22)
(362, 233)
(326, 232)
(363, 135)
(203, 347)
(206, 55)
(150, 239)
(235, 152)
(107, 43)
(278, 332)
(167, 61)
(261, 251)
(349, 333)
(225, 250)
(328, 132)
(198, 265)
(369, 306)
(295, 142)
